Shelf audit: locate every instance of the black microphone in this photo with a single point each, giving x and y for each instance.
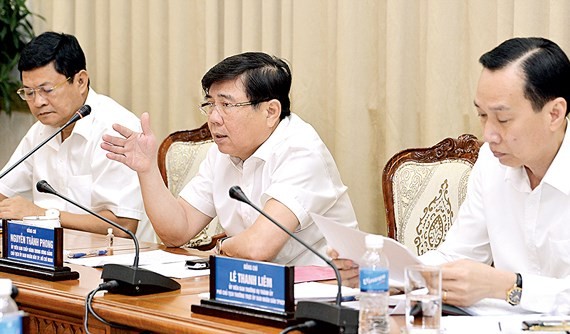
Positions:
(14, 293)
(82, 112)
(329, 317)
(132, 279)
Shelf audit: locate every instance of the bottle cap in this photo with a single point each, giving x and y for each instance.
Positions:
(5, 287)
(374, 241)
(110, 230)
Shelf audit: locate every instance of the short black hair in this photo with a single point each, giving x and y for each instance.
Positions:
(63, 49)
(543, 63)
(265, 77)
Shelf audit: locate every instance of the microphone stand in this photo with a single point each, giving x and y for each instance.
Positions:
(328, 316)
(131, 280)
(82, 112)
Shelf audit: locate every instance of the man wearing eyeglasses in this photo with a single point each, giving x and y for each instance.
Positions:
(275, 157)
(55, 85)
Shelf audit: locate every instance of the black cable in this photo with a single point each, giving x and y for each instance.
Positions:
(89, 308)
(300, 327)
(86, 317)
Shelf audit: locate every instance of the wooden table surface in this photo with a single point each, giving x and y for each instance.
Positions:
(59, 307)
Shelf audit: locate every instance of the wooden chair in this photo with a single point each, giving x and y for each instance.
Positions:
(423, 189)
(179, 157)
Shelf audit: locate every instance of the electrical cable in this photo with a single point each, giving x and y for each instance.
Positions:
(89, 307)
(300, 327)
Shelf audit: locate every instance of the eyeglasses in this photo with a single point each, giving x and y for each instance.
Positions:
(28, 94)
(207, 108)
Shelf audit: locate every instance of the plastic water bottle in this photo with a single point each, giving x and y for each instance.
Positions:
(10, 318)
(110, 238)
(374, 289)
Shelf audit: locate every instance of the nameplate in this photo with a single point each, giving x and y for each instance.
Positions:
(30, 244)
(33, 251)
(253, 284)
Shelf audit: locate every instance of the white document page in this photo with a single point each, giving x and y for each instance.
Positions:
(159, 261)
(322, 291)
(145, 258)
(492, 307)
(176, 270)
(505, 324)
(349, 243)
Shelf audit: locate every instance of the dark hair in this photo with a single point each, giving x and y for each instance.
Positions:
(63, 49)
(545, 66)
(265, 77)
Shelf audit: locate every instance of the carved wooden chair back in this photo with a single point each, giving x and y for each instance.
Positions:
(423, 189)
(179, 157)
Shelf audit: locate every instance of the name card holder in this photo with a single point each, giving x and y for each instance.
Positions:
(34, 251)
(245, 290)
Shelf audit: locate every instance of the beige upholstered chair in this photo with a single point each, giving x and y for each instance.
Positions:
(423, 189)
(179, 157)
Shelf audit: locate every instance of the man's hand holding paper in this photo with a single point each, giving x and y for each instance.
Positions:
(347, 248)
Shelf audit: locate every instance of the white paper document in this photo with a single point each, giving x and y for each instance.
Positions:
(159, 261)
(322, 292)
(145, 258)
(493, 307)
(176, 270)
(349, 243)
(505, 324)
(396, 303)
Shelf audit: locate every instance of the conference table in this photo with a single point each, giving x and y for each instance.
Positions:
(59, 307)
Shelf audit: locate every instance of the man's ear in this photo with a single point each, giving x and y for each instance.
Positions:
(273, 110)
(557, 112)
(83, 80)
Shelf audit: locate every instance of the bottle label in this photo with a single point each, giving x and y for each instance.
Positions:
(373, 279)
(11, 324)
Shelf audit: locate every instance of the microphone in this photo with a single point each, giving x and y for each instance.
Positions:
(329, 317)
(131, 280)
(82, 112)
(15, 292)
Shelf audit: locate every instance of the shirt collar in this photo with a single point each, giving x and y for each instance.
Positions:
(557, 173)
(267, 147)
(83, 126)
(518, 178)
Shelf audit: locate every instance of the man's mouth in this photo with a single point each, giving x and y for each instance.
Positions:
(44, 113)
(498, 154)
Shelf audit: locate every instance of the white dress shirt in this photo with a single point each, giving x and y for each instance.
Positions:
(517, 228)
(292, 166)
(78, 167)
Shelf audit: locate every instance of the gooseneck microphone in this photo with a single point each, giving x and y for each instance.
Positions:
(238, 194)
(79, 114)
(132, 280)
(45, 187)
(328, 316)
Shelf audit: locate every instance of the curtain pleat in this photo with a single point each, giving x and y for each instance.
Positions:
(372, 77)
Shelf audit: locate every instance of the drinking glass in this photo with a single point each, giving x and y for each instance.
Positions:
(423, 299)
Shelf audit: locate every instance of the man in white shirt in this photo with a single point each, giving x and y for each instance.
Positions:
(275, 157)
(56, 85)
(511, 238)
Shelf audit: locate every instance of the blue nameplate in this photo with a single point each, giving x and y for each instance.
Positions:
(30, 244)
(30, 250)
(252, 284)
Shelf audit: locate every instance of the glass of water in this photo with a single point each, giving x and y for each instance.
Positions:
(423, 299)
